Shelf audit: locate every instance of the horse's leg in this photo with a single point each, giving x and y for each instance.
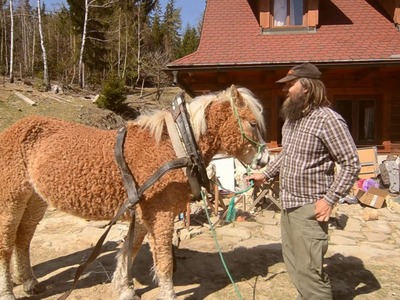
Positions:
(12, 204)
(123, 286)
(161, 230)
(22, 270)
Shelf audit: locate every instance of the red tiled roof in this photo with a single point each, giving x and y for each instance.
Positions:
(348, 31)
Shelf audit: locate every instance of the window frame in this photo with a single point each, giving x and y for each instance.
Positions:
(287, 20)
(310, 18)
(356, 116)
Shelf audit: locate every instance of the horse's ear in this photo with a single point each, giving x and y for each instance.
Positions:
(237, 97)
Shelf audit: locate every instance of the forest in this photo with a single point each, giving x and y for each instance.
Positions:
(84, 42)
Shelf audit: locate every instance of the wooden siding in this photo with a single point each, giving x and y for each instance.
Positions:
(395, 119)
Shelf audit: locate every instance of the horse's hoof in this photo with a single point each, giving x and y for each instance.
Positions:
(128, 294)
(32, 287)
(7, 296)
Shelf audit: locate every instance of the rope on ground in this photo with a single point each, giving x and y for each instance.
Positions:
(203, 196)
(219, 249)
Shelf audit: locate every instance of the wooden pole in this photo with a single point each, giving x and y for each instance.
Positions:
(26, 99)
(216, 200)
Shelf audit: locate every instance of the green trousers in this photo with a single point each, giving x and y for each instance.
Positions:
(304, 244)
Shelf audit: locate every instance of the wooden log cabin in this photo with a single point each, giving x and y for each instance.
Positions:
(355, 44)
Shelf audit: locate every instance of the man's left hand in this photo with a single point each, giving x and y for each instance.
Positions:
(322, 210)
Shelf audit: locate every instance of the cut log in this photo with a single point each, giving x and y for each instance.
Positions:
(26, 99)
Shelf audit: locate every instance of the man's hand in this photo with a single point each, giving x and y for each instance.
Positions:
(258, 178)
(322, 210)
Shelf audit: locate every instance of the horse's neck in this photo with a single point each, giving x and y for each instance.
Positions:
(210, 145)
(205, 151)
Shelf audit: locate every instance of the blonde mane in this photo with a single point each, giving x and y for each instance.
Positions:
(154, 121)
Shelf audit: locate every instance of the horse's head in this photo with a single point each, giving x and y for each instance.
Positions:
(249, 116)
(235, 125)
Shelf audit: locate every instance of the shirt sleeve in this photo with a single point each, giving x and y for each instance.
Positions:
(341, 147)
(273, 168)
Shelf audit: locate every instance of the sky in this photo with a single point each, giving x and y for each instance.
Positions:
(191, 10)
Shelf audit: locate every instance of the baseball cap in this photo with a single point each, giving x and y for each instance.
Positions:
(306, 70)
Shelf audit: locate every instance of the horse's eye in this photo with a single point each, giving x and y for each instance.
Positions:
(253, 124)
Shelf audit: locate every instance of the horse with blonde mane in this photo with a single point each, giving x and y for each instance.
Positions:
(48, 162)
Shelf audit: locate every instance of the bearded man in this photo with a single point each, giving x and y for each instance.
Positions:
(314, 138)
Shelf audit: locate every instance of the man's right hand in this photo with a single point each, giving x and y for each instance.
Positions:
(258, 178)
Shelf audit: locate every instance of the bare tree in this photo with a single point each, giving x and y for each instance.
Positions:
(44, 56)
(80, 65)
(11, 73)
(4, 47)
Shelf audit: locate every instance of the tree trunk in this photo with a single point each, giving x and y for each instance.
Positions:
(33, 53)
(80, 68)
(119, 44)
(126, 49)
(11, 73)
(24, 40)
(45, 70)
(139, 58)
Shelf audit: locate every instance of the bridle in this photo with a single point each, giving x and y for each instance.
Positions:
(262, 156)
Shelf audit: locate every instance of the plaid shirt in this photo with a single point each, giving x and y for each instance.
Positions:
(306, 164)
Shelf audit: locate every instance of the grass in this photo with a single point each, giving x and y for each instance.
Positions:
(74, 106)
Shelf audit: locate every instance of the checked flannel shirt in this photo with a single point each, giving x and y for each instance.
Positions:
(306, 164)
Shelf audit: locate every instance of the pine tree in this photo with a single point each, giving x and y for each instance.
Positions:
(171, 26)
(190, 41)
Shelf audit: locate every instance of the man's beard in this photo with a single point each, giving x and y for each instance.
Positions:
(292, 108)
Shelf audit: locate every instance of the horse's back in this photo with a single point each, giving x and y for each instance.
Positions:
(54, 158)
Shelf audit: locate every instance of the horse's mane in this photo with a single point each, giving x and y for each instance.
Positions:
(155, 120)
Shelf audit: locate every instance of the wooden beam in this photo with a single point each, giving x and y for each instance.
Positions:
(26, 99)
(265, 13)
(313, 13)
(396, 17)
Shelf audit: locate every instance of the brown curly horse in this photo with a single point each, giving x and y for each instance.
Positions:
(70, 166)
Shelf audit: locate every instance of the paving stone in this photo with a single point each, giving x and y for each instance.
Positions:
(383, 246)
(248, 224)
(272, 231)
(370, 214)
(379, 226)
(376, 237)
(236, 231)
(390, 216)
(267, 220)
(349, 208)
(260, 242)
(268, 214)
(365, 253)
(341, 240)
(204, 242)
(348, 234)
(352, 225)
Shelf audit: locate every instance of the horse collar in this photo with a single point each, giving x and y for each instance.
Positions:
(198, 174)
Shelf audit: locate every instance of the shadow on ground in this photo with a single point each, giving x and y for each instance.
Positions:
(205, 270)
(349, 277)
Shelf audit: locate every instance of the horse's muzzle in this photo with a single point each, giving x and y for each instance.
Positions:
(261, 159)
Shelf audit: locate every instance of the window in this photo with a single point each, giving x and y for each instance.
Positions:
(288, 12)
(288, 15)
(360, 113)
